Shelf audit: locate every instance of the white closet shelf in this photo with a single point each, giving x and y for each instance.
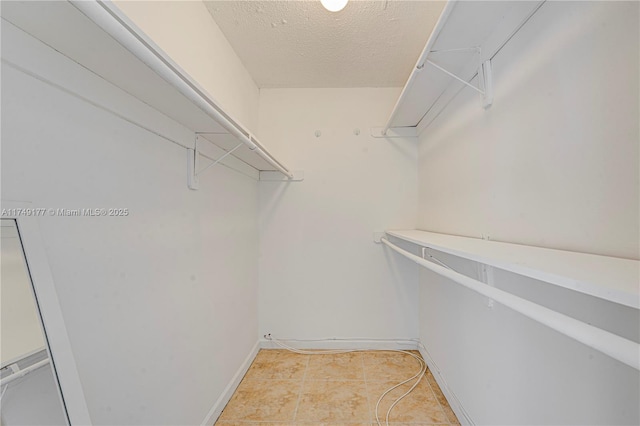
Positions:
(98, 36)
(609, 278)
(467, 35)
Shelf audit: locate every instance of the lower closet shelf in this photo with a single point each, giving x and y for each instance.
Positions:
(609, 278)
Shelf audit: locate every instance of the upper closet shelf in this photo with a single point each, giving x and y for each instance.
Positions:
(608, 278)
(98, 36)
(466, 37)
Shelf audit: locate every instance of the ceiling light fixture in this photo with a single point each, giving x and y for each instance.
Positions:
(334, 5)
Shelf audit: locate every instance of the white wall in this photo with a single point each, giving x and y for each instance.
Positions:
(508, 370)
(321, 275)
(160, 305)
(553, 163)
(185, 30)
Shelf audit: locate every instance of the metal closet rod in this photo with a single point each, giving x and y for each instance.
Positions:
(23, 372)
(105, 109)
(617, 347)
(105, 15)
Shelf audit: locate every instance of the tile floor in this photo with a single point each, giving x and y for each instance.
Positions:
(285, 388)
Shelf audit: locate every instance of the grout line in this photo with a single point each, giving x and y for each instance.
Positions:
(266, 379)
(367, 382)
(438, 401)
(310, 423)
(329, 380)
(366, 388)
(304, 377)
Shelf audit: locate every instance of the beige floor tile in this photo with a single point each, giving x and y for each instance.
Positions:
(333, 402)
(263, 400)
(441, 398)
(383, 366)
(276, 364)
(333, 392)
(345, 423)
(228, 423)
(451, 416)
(420, 406)
(347, 366)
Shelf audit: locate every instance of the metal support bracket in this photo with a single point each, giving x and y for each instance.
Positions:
(485, 83)
(194, 171)
(193, 181)
(484, 77)
(192, 162)
(228, 153)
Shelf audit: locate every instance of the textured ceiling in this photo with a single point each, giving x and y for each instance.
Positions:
(300, 44)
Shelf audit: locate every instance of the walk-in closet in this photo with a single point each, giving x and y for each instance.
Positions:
(320, 212)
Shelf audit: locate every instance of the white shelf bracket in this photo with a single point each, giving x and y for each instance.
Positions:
(193, 174)
(192, 162)
(228, 153)
(484, 76)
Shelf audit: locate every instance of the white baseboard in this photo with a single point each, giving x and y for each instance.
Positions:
(228, 391)
(454, 403)
(344, 344)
